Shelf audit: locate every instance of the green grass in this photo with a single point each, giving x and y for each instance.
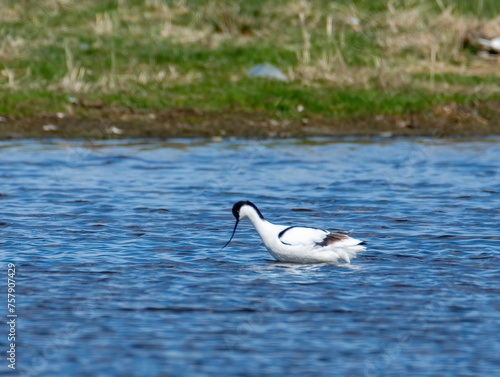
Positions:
(154, 54)
(457, 79)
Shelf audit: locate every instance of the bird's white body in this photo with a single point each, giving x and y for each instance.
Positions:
(493, 44)
(300, 244)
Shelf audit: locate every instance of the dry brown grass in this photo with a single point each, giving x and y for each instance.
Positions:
(74, 80)
(10, 14)
(330, 65)
(420, 32)
(145, 75)
(412, 39)
(10, 77)
(104, 23)
(404, 40)
(226, 17)
(11, 48)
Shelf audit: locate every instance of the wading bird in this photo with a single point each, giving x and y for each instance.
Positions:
(298, 244)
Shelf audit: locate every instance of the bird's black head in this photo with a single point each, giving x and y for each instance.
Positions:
(237, 207)
(236, 213)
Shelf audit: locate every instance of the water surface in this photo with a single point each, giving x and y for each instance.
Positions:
(120, 272)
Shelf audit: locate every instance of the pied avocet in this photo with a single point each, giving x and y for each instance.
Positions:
(298, 244)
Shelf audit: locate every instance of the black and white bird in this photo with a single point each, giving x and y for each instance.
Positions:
(298, 244)
(491, 44)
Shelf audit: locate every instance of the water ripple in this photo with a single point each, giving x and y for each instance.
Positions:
(120, 272)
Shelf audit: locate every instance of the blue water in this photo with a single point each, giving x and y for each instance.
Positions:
(119, 270)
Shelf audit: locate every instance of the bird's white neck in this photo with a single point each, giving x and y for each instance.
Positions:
(252, 214)
(262, 226)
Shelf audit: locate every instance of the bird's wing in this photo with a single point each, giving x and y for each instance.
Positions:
(295, 235)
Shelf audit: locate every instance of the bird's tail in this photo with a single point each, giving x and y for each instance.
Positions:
(350, 248)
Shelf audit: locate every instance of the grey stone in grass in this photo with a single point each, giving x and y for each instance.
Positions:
(267, 71)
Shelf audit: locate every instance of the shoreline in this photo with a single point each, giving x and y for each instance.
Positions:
(444, 120)
(127, 69)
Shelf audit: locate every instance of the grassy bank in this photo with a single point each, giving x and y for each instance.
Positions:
(130, 61)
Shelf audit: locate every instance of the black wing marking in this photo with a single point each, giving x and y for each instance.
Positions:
(332, 238)
(283, 232)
